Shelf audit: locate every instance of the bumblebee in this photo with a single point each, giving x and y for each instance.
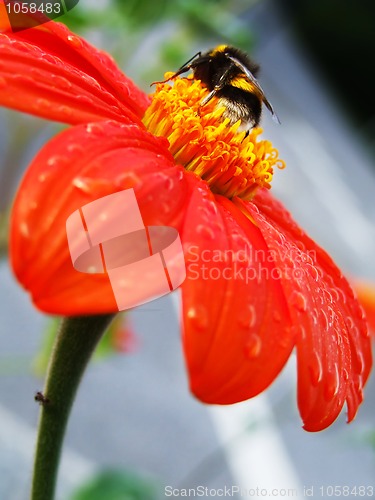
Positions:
(230, 75)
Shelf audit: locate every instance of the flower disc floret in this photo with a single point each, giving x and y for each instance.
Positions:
(232, 162)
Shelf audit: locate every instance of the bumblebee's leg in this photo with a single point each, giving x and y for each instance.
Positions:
(218, 86)
(209, 97)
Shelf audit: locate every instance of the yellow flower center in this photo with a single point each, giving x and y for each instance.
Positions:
(204, 142)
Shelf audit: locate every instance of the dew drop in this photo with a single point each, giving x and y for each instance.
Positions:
(325, 319)
(360, 362)
(253, 346)
(75, 41)
(169, 184)
(315, 369)
(365, 332)
(198, 315)
(61, 82)
(298, 333)
(247, 318)
(82, 185)
(313, 272)
(345, 374)
(315, 315)
(350, 322)
(128, 179)
(335, 295)
(332, 384)
(298, 300)
(65, 110)
(25, 230)
(42, 177)
(94, 128)
(206, 232)
(358, 385)
(43, 104)
(75, 148)
(211, 208)
(49, 58)
(331, 315)
(166, 208)
(55, 160)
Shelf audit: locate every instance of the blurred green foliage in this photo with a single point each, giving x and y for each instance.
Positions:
(113, 342)
(169, 31)
(116, 485)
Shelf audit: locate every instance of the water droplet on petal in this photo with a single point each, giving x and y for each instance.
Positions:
(365, 332)
(166, 208)
(198, 316)
(25, 230)
(253, 346)
(75, 41)
(55, 160)
(65, 110)
(206, 232)
(313, 272)
(358, 385)
(42, 104)
(350, 322)
(332, 384)
(298, 333)
(212, 208)
(47, 58)
(298, 300)
(325, 322)
(169, 184)
(360, 362)
(94, 128)
(60, 82)
(247, 317)
(315, 369)
(128, 179)
(82, 185)
(75, 148)
(42, 177)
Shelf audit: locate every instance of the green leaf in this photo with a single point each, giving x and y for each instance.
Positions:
(116, 485)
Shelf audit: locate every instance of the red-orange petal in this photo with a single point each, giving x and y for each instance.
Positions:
(237, 330)
(50, 72)
(333, 346)
(78, 166)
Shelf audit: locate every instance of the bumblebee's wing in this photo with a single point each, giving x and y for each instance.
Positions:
(254, 81)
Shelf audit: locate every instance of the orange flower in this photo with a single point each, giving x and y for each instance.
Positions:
(257, 286)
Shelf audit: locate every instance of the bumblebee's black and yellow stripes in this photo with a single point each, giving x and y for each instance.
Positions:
(230, 75)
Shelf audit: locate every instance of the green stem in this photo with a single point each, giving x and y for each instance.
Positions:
(74, 344)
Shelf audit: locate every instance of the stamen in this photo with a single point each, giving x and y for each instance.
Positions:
(205, 143)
